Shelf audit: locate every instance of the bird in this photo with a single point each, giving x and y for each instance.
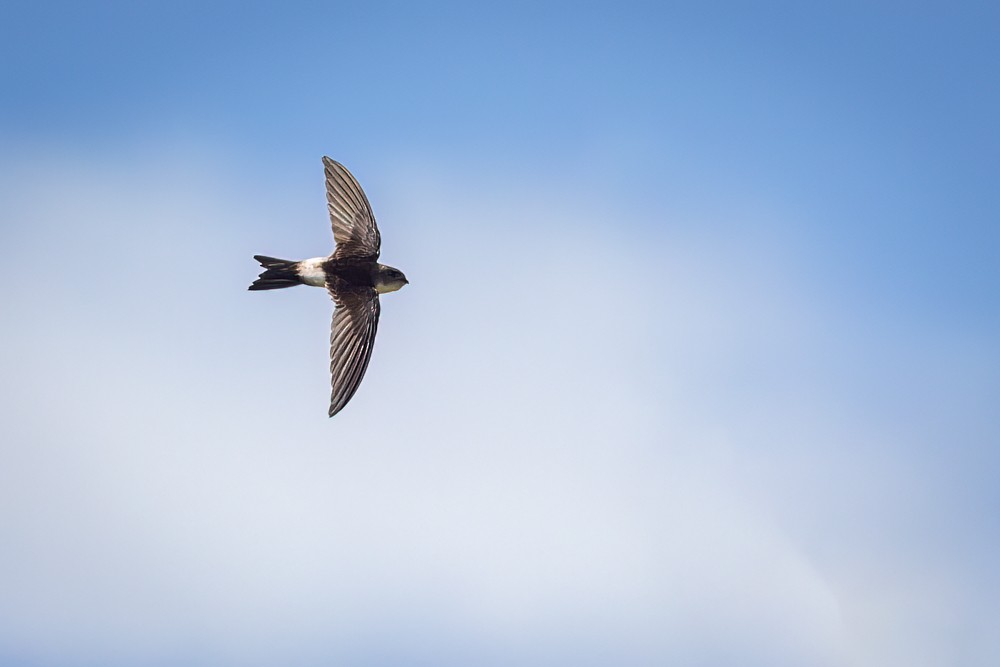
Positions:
(351, 274)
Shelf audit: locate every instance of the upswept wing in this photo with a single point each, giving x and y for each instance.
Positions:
(352, 336)
(354, 227)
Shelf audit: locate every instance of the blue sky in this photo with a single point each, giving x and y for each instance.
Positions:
(698, 363)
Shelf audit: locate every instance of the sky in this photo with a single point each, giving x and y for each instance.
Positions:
(698, 363)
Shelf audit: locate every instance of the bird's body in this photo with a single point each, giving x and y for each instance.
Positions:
(352, 275)
(358, 272)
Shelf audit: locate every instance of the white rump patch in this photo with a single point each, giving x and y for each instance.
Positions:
(311, 271)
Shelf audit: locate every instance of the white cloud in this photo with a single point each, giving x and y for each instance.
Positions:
(649, 461)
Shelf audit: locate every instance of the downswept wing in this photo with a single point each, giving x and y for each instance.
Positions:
(352, 336)
(354, 227)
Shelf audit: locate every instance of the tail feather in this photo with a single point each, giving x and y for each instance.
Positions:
(277, 273)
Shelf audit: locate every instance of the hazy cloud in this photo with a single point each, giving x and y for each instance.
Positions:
(580, 441)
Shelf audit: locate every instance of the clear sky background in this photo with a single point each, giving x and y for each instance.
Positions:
(699, 363)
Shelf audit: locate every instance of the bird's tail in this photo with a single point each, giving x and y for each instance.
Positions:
(277, 273)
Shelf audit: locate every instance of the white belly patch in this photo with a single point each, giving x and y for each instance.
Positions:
(311, 271)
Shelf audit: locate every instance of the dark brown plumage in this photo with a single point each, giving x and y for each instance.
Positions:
(352, 276)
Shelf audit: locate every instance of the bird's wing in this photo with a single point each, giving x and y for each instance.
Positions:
(352, 337)
(354, 227)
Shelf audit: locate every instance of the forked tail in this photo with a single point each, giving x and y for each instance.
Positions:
(277, 273)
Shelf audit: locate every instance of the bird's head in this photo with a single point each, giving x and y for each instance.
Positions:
(389, 279)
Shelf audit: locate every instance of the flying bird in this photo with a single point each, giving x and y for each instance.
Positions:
(352, 276)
